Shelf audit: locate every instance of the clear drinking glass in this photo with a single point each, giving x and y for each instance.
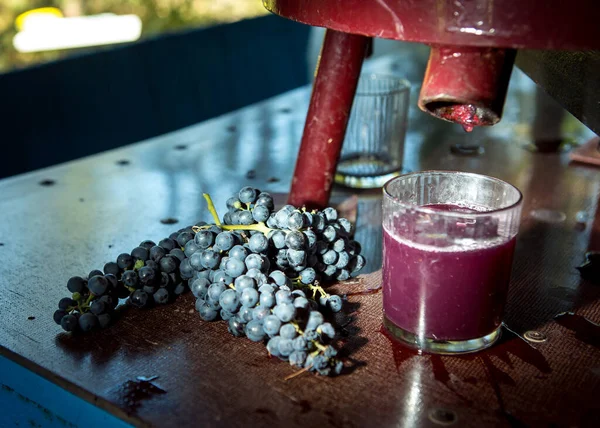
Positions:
(373, 148)
(448, 244)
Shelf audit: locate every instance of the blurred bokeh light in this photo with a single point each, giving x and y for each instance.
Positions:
(157, 17)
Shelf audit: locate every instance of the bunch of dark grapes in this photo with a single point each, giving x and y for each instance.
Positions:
(260, 270)
(151, 274)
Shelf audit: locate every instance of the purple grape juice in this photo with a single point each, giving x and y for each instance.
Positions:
(448, 292)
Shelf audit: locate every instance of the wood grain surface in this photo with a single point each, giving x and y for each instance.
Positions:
(93, 209)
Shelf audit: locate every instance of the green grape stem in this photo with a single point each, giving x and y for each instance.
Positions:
(211, 208)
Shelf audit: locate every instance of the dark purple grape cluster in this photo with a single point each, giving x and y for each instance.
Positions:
(151, 274)
(261, 270)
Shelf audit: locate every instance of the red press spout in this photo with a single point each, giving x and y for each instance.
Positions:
(466, 85)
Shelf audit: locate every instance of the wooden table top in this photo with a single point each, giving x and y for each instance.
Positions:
(92, 209)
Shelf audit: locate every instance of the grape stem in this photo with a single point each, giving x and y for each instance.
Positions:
(299, 372)
(211, 208)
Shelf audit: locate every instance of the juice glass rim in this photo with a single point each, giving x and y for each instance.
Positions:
(425, 210)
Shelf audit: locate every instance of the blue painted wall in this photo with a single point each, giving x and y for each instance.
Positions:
(86, 104)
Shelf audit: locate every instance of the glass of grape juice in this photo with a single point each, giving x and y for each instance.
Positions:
(448, 244)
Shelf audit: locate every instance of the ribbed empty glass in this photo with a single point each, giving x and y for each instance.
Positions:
(373, 148)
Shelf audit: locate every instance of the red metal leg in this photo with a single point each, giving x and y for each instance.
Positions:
(333, 92)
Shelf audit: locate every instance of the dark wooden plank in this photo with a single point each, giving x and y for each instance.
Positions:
(97, 208)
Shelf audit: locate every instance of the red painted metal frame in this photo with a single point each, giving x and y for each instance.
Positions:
(471, 83)
(333, 92)
(536, 24)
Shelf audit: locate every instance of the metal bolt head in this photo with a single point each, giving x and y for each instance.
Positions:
(535, 336)
(442, 416)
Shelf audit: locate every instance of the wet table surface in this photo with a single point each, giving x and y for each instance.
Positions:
(72, 218)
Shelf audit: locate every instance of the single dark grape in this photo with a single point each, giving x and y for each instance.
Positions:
(186, 270)
(277, 239)
(98, 285)
(245, 314)
(342, 275)
(271, 222)
(287, 331)
(168, 244)
(308, 276)
(156, 253)
(285, 311)
(318, 222)
(215, 289)
(260, 213)
(177, 252)
(265, 199)
(76, 284)
(254, 331)
(88, 322)
(139, 253)
(236, 327)
(260, 313)
(161, 296)
(210, 259)
(169, 263)
(295, 240)
(286, 347)
(229, 300)
(207, 313)
(245, 218)
(267, 299)
(98, 307)
(296, 257)
(235, 267)
(221, 276)
(295, 220)
(339, 245)
(327, 330)
(330, 257)
(273, 346)
(130, 278)
(330, 214)
(184, 237)
(147, 244)
(249, 297)
(343, 259)
(258, 243)
(69, 322)
(147, 275)
(311, 238)
(238, 252)
(330, 270)
(139, 298)
(346, 225)
(315, 319)
(248, 195)
(329, 234)
(95, 272)
(112, 268)
(225, 241)
(125, 261)
(199, 287)
(173, 236)
(335, 303)
(58, 315)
